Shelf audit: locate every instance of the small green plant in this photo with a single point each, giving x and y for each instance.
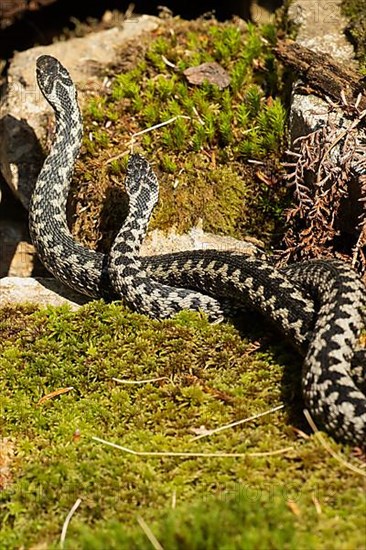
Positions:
(101, 137)
(168, 164)
(271, 123)
(254, 45)
(227, 42)
(155, 59)
(96, 108)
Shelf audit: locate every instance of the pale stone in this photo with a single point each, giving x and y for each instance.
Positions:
(24, 112)
(42, 292)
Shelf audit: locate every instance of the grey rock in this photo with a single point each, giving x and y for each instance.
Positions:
(42, 292)
(159, 242)
(320, 28)
(48, 291)
(24, 113)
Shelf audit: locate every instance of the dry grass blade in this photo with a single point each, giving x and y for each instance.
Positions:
(191, 454)
(67, 521)
(145, 131)
(237, 423)
(329, 449)
(150, 535)
(53, 394)
(145, 381)
(316, 502)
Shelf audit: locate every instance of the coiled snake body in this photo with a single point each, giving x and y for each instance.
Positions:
(319, 305)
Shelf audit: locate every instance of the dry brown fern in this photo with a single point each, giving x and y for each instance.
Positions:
(327, 170)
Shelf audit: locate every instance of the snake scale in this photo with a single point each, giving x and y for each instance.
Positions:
(319, 305)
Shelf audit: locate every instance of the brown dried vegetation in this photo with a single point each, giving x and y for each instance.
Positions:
(328, 217)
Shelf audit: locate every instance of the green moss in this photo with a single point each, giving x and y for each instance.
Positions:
(222, 185)
(196, 528)
(211, 135)
(168, 94)
(355, 11)
(210, 377)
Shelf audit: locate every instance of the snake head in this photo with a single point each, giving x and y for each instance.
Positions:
(141, 180)
(51, 74)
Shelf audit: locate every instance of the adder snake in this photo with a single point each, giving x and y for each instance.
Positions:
(319, 305)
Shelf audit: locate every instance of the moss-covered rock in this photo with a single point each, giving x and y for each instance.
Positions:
(217, 159)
